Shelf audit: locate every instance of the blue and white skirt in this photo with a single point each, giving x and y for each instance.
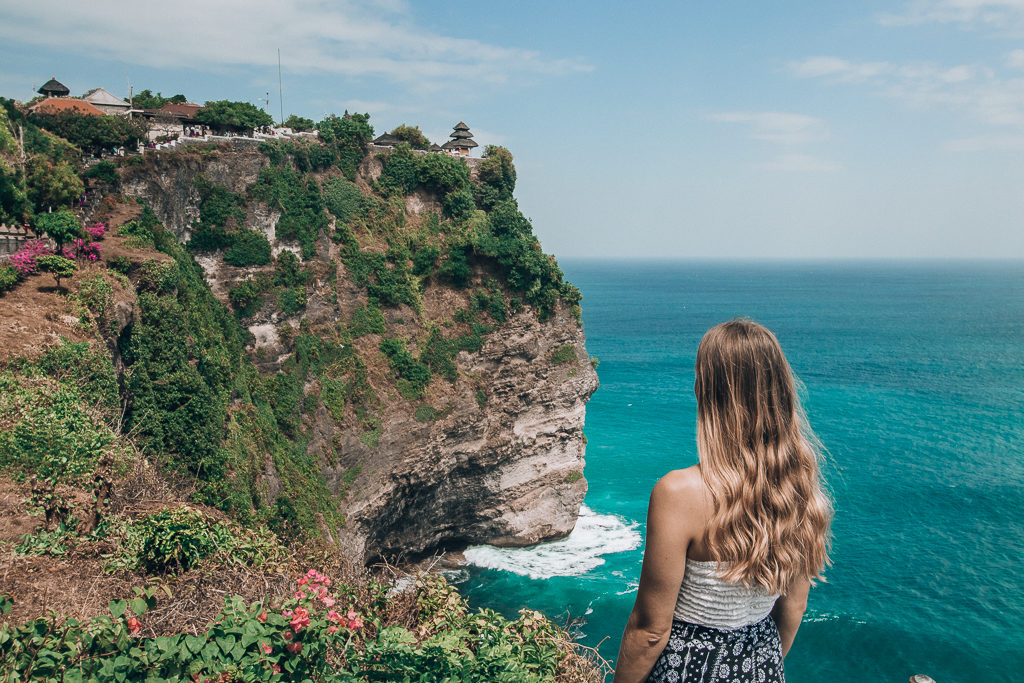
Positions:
(700, 654)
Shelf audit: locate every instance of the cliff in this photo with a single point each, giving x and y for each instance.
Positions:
(421, 361)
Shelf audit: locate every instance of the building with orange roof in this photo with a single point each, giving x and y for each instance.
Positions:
(60, 105)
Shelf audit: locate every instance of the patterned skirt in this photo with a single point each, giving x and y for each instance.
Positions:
(699, 654)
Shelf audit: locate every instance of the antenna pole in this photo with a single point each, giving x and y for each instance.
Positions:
(280, 90)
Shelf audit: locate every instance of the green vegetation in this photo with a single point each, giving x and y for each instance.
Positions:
(93, 134)
(367, 320)
(105, 171)
(58, 266)
(248, 248)
(566, 353)
(326, 631)
(237, 117)
(297, 196)
(60, 226)
(299, 123)
(8, 277)
(412, 135)
(145, 99)
(346, 137)
(342, 198)
(220, 213)
(413, 375)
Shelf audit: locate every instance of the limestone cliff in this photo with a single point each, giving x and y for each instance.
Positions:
(491, 448)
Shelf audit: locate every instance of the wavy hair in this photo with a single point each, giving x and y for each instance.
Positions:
(759, 458)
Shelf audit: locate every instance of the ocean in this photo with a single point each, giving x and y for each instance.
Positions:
(913, 376)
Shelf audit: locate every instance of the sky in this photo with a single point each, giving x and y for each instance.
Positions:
(684, 130)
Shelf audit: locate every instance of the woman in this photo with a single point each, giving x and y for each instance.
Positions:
(733, 542)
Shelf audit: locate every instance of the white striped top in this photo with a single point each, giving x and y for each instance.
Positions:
(709, 600)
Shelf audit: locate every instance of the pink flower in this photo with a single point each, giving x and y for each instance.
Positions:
(355, 623)
(333, 616)
(133, 624)
(311, 574)
(327, 581)
(276, 668)
(329, 601)
(286, 613)
(266, 648)
(262, 617)
(332, 629)
(294, 648)
(299, 595)
(352, 614)
(301, 619)
(303, 581)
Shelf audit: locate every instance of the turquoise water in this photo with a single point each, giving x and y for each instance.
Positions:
(914, 377)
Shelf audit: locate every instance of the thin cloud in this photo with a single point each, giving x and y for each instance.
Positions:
(358, 39)
(976, 90)
(777, 127)
(1000, 15)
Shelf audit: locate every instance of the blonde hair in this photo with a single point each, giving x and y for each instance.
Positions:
(759, 459)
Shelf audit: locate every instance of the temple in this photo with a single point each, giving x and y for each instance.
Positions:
(461, 141)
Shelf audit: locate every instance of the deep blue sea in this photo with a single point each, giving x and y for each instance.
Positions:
(914, 381)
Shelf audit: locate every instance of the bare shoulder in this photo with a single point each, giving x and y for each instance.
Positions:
(681, 489)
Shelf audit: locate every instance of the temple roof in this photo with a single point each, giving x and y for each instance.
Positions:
(54, 88)
(59, 105)
(105, 97)
(434, 147)
(459, 143)
(461, 125)
(386, 140)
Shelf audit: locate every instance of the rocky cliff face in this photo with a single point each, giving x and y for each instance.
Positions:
(492, 454)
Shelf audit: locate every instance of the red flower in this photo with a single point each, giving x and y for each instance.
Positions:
(303, 581)
(355, 623)
(276, 668)
(287, 635)
(334, 616)
(301, 619)
(266, 648)
(332, 629)
(294, 648)
(133, 624)
(262, 617)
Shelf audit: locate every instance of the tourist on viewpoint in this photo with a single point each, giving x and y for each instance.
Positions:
(734, 542)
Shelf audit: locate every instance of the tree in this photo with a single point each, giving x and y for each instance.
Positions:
(58, 266)
(237, 117)
(93, 134)
(60, 226)
(145, 99)
(52, 185)
(346, 137)
(413, 135)
(496, 177)
(299, 123)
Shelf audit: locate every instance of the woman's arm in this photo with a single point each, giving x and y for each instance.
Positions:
(672, 516)
(789, 612)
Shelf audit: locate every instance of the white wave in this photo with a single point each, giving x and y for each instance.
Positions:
(580, 552)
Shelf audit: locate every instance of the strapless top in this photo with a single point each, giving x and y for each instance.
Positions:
(709, 600)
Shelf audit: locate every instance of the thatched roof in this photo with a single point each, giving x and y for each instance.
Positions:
(434, 147)
(459, 143)
(386, 140)
(54, 88)
(461, 125)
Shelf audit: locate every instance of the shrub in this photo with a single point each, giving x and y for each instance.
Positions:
(298, 197)
(248, 248)
(105, 171)
(442, 174)
(8, 277)
(25, 260)
(425, 413)
(563, 354)
(245, 295)
(400, 172)
(299, 123)
(367, 320)
(424, 259)
(341, 198)
(412, 135)
(291, 300)
(58, 266)
(415, 373)
(138, 232)
(122, 264)
(459, 204)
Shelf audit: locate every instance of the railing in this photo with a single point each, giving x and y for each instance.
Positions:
(12, 237)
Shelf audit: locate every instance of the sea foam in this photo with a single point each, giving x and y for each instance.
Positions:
(581, 551)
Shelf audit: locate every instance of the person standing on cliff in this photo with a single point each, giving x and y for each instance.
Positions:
(734, 542)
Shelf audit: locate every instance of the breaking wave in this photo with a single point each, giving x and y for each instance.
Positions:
(581, 551)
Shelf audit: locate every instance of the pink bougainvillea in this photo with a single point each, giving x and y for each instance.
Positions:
(24, 260)
(96, 230)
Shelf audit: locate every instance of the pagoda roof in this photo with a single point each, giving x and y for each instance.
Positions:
(105, 97)
(59, 105)
(434, 147)
(461, 125)
(459, 143)
(53, 88)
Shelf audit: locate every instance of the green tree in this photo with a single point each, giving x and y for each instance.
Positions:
(145, 99)
(237, 117)
(413, 135)
(346, 137)
(13, 197)
(299, 123)
(52, 184)
(58, 266)
(60, 226)
(93, 134)
(443, 174)
(496, 177)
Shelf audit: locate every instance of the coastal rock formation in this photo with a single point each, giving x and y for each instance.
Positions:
(492, 453)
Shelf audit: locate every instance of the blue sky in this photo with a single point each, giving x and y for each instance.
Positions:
(720, 130)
